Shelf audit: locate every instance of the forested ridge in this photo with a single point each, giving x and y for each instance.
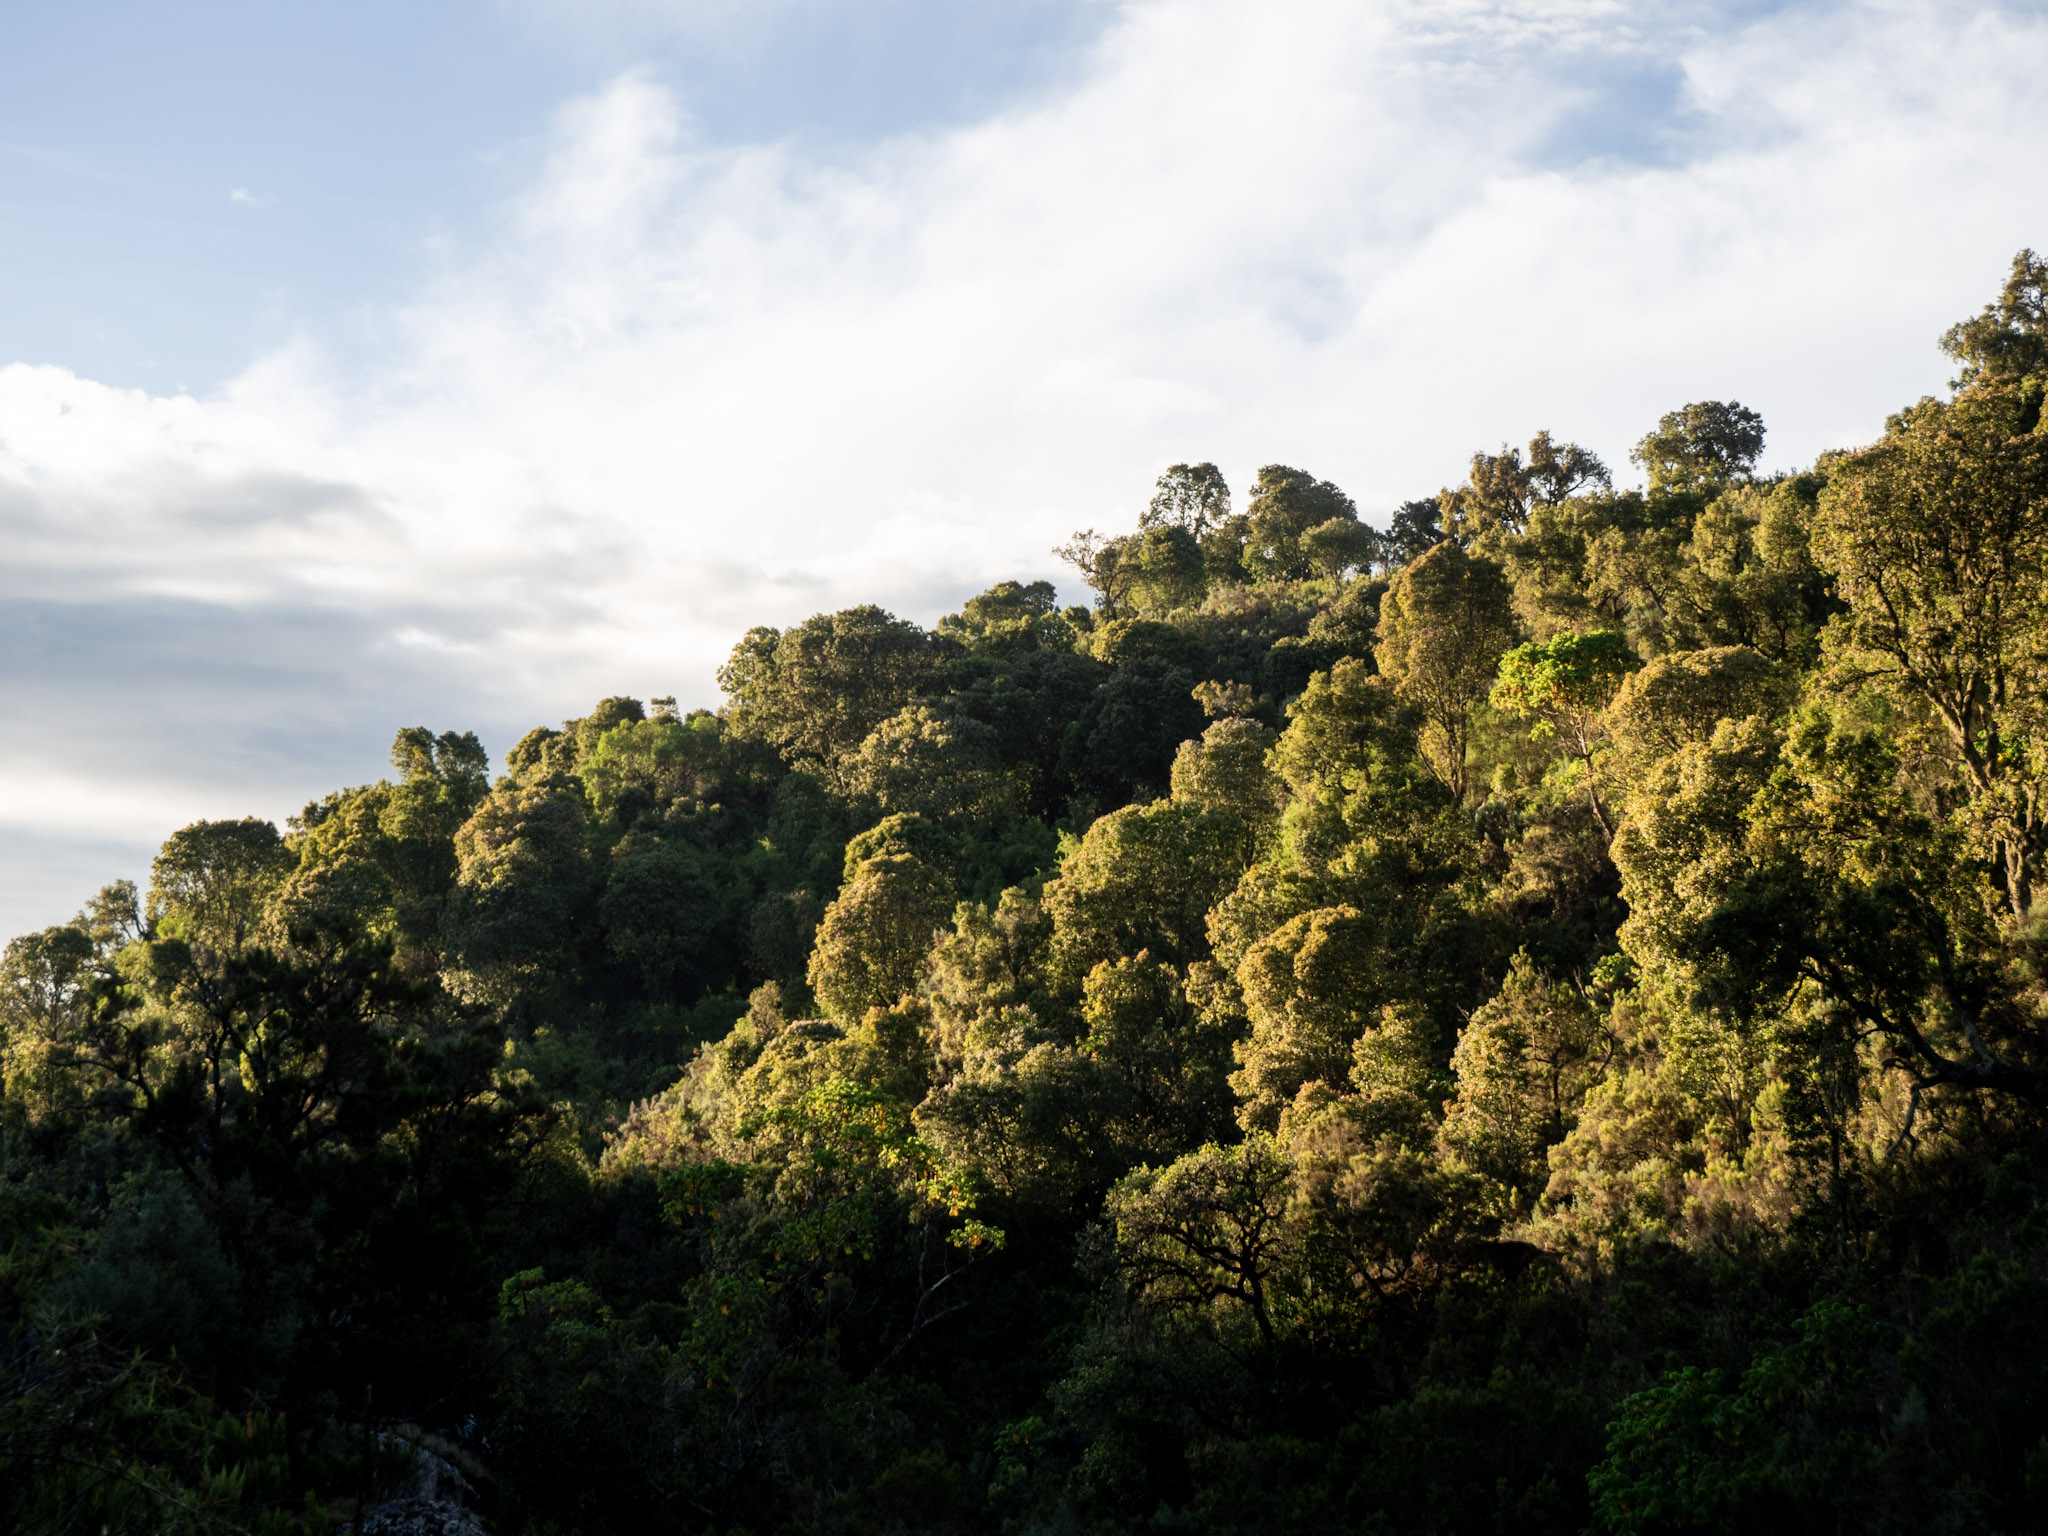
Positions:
(1533, 1018)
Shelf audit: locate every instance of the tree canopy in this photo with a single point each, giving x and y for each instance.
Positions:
(1522, 1011)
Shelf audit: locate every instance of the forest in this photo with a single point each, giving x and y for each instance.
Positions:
(1530, 1018)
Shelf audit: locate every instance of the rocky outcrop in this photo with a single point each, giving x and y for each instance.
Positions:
(415, 1516)
(433, 1504)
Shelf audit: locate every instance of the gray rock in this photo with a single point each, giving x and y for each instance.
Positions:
(414, 1516)
(435, 1479)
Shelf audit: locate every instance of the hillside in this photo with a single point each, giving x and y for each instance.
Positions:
(1528, 1019)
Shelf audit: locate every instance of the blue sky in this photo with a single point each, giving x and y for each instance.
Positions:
(374, 365)
(366, 138)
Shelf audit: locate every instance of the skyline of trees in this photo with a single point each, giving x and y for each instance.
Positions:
(1531, 1018)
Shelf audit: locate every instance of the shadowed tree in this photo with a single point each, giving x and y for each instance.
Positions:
(1209, 1228)
(210, 882)
(1414, 530)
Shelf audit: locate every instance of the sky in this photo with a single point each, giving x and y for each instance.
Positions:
(372, 365)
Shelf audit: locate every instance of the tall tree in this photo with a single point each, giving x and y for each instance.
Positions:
(1502, 487)
(210, 882)
(1566, 684)
(815, 691)
(1194, 497)
(1937, 538)
(1285, 504)
(2009, 340)
(1443, 625)
(1701, 447)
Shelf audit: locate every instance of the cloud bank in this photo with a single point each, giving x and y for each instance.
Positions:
(687, 387)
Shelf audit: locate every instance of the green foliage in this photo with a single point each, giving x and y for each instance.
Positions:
(90, 1440)
(1193, 497)
(1297, 525)
(874, 937)
(1142, 878)
(1009, 617)
(1312, 989)
(1443, 625)
(816, 691)
(1681, 698)
(1164, 1062)
(1814, 1435)
(1499, 495)
(1202, 1063)
(1225, 772)
(1523, 1066)
(1208, 1230)
(2009, 340)
(1706, 444)
(657, 909)
(524, 878)
(1934, 537)
(923, 764)
(210, 882)
(1565, 683)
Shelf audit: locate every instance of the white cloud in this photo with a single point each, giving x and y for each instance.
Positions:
(690, 388)
(242, 197)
